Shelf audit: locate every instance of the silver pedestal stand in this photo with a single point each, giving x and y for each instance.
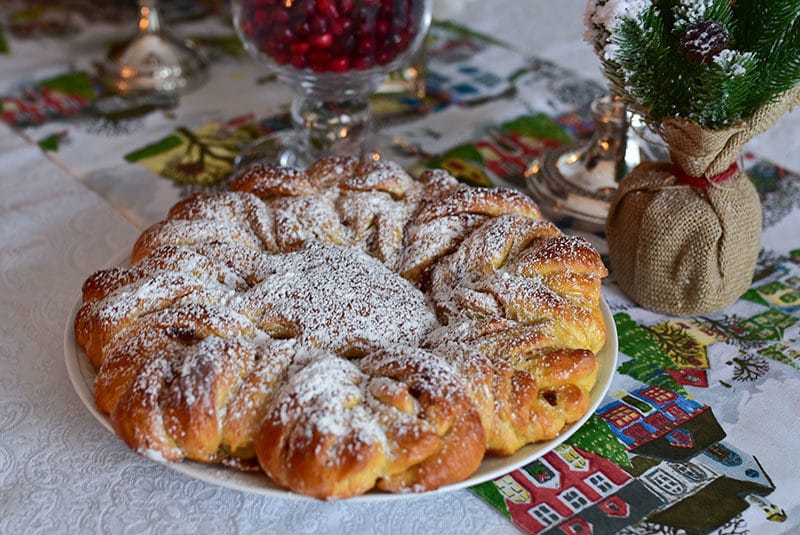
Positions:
(153, 61)
(575, 183)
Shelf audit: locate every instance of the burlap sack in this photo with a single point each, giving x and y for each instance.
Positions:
(686, 250)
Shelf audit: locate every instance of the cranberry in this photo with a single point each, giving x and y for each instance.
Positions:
(386, 12)
(340, 64)
(321, 40)
(299, 61)
(285, 33)
(403, 40)
(303, 7)
(260, 17)
(366, 45)
(346, 6)
(300, 48)
(363, 63)
(344, 46)
(341, 26)
(281, 58)
(327, 8)
(331, 35)
(384, 56)
(280, 15)
(301, 27)
(319, 59)
(319, 24)
(382, 27)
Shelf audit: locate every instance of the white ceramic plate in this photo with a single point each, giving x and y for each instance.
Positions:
(82, 374)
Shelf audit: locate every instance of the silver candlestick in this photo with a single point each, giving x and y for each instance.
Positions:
(576, 182)
(153, 61)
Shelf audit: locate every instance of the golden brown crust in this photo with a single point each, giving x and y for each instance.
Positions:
(192, 232)
(197, 360)
(444, 405)
(483, 201)
(267, 181)
(387, 177)
(330, 171)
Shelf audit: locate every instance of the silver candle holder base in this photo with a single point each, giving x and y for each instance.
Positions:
(575, 183)
(153, 61)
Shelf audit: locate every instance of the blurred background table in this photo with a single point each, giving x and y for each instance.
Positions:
(83, 174)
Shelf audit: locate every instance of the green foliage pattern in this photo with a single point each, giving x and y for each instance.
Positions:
(654, 76)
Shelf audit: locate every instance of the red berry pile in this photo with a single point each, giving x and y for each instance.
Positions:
(331, 35)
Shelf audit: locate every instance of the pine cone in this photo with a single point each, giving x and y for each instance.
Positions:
(702, 41)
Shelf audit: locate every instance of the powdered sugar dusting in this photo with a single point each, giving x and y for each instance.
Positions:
(331, 297)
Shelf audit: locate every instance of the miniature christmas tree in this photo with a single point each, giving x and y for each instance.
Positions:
(713, 62)
(707, 75)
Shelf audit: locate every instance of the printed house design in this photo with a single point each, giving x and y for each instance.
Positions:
(682, 475)
(573, 491)
(659, 423)
(690, 469)
(722, 482)
(767, 326)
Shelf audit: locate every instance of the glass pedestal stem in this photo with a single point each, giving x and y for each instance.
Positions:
(326, 128)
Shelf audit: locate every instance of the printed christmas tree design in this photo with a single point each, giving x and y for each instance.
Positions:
(686, 342)
(595, 436)
(490, 493)
(679, 341)
(649, 362)
(748, 367)
(678, 345)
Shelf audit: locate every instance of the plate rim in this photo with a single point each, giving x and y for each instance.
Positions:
(79, 368)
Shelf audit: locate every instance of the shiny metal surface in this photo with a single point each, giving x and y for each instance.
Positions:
(578, 181)
(153, 61)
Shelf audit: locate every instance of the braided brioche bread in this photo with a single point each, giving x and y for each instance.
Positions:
(346, 328)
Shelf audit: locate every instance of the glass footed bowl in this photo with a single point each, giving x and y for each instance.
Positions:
(334, 54)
